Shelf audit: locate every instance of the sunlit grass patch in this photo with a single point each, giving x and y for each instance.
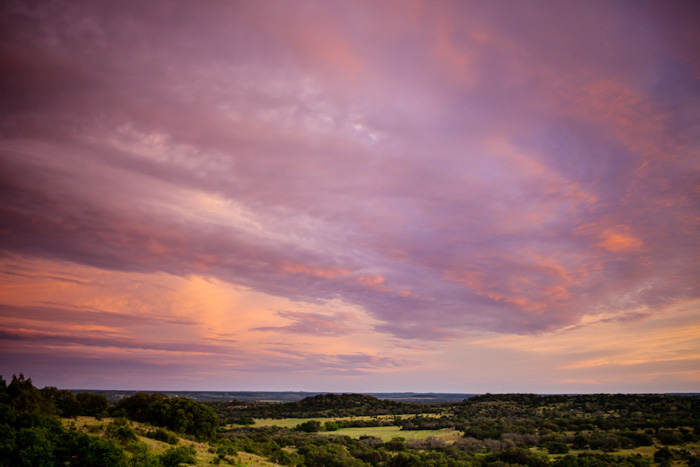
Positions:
(293, 422)
(387, 433)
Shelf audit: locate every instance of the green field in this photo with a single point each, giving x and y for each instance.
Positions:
(293, 422)
(287, 422)
(387, 433)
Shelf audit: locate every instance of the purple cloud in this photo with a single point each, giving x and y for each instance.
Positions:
(444, 167)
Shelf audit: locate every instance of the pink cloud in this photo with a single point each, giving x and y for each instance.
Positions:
(313, 324)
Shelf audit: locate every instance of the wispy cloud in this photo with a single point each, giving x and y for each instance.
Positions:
(312, 323)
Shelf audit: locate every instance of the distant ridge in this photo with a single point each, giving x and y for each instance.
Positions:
(294, 396)
(283, 396)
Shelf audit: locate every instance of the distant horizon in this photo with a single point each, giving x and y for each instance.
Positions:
(494, 195)
(390, 392)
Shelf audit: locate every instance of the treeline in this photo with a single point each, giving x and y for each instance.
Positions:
(32, 433)
(320, 406)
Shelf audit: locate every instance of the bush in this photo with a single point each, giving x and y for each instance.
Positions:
(175, 456)
(517, 456)
(92, 451)
(669, 437)
(311, 426)
(557, 448)
(332, 426)
(120, 430)
(163, 435)
(328, 455)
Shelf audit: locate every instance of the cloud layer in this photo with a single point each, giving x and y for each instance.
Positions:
(420, 173)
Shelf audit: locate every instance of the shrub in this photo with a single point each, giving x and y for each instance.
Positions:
(120, 430)
(557, 448)
(311, 426)
(175, 456)
(163, 435)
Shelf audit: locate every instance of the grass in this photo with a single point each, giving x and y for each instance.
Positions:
(251, 460)
(293, 422)
(387, 433)
(284, 422)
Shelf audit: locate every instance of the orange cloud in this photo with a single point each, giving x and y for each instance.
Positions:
(619, 242)
(371, 281)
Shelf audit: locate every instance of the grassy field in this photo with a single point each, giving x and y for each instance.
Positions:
(293, 422)
(387, 433)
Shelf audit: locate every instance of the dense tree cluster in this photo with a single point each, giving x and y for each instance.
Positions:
(32, 433)
(175, 413)
(323, 405)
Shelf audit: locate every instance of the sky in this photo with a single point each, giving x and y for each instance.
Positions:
(351, 196)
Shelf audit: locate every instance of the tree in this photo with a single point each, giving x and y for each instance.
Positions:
(332, 426)
(328, 455)
(403, 459)
(33, 446)
(64, 400)
(396, 444)
(311, 426)
(178, 414)
(93, 451)
(25, 397)
(557, 448)
(94, 405)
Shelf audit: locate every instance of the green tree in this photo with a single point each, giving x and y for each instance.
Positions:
(557, 448)
(663, 455)
(93, 451)
(94, 405)
(396, 444)
(403, 459)
(64, 401)
(311, 426)
(25, 397)
(33, 447)
(328, 455)
(332, 426)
